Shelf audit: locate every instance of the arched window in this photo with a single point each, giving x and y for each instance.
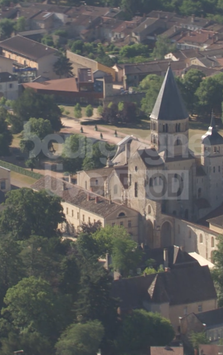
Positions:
(212, 242)
(149, 209)
(121, 214)
(201, 238)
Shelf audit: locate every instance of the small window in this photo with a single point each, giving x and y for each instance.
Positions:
(219, 169)
(212, 242)
(10, 86)
(96, 182)
(78, 215)
(151, 182)
(85, 184)
(89, 219)
(199, 308)
(214, 169)
(136, 168)
(129, 224)
(113, 224)
(3, 185)
(149, 209)
(215, 149)
(121, 223)
(115, 189)
(201, 238)
(83, 218)
(136, 189)
(72, 213)
(67, 210)
(121, 214)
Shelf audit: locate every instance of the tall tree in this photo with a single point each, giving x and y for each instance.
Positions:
(63, 67)
(217, 272)
(31, 104)
(81, 339)
(28, 212)
(142, 329)
(162, 47)
(5, 134)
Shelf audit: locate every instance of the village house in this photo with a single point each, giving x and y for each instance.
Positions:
(5, 179)
(81, 206)
(30, 56)
(186, 288)
(210, 322)
(8, 86)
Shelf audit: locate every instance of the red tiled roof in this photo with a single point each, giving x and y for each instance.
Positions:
(67, 84)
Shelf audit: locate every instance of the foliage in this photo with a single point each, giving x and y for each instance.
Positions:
(5, 134)
(217, 271)
(77, 111)
(80, 152)
(63, 67)
(6, 27)
(162, 47)
(151, 84)
(35, 128)
(47, 40)
(131, 51)
(198, 338)
(89, 228)
(89, 111)
(142, 329)
(32, 306)
(60, 32)
(20, 24)
(119, 244)
(100, 110)
(28, 212)
(31, 104)
(81, 339)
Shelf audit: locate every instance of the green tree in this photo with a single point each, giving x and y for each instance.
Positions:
(209, 95)
(217, 272)
(63, 67)
(77, 111)
(29, 212)
(5, 134)
(142, 329)
(77, 46)
(73, 152)
(81, 339)
(152, 85)
(198, 338)
(6, 27)
(35, 128)
(188, 86)
(100, 110)
(20, 24)
(47, 40)
(31, 306)
(89, 111)
(162, 47)
(31, 104)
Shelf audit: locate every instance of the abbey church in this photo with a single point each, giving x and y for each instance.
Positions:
(163, 179)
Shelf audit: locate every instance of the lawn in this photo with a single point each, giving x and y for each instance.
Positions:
(23, 179)
(16, 140)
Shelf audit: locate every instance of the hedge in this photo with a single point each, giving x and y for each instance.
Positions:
(19, 169)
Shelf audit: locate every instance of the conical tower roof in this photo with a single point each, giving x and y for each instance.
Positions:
(169, 105)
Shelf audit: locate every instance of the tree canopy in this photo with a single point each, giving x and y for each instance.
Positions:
(31, 104)
(63, 66)
(28, 212)
(5, 134)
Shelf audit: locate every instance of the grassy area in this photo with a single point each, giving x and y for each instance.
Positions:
(16, 140)
(23, 179)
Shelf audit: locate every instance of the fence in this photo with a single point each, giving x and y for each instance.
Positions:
(20, 170)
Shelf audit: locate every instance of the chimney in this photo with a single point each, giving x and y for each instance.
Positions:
(96, 199)
(69, 179)
(165, 258)
(127, 152)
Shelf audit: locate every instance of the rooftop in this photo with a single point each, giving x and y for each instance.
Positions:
(77, 196)
(85, 75)
(67, 84)
(169, 105)
(26, 47)
(211, 318)
(6, 77)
